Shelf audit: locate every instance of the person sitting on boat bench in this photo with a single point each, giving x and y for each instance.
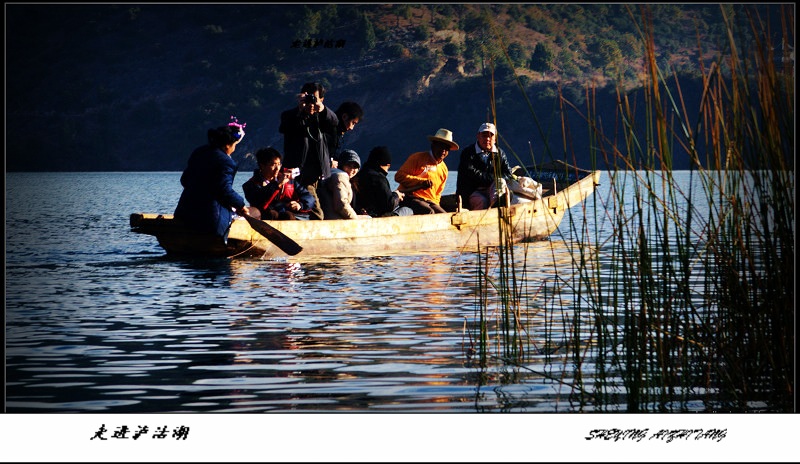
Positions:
(426, 172)
(208, 200)
(336, 191)
(274, 191)
(475, 184)
(374, 195)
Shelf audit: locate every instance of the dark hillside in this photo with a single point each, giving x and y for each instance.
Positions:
(135, 87)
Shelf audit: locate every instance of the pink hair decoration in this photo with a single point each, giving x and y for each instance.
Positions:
(235, 123)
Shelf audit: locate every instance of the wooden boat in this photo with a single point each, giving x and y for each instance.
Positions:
(564, 186)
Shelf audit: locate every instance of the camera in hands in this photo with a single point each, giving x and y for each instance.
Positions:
(291, 173)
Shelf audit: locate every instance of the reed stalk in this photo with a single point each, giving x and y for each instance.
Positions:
(687, 303)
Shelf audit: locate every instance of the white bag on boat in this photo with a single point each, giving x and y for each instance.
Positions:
(501, 188)
(525, 187)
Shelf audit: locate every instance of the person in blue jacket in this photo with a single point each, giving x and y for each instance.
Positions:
(208, 201)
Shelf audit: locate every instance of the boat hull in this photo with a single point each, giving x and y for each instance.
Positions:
(456, 231)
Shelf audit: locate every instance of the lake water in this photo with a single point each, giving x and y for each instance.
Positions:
(100, 321)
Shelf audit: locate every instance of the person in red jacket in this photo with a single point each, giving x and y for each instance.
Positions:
(274, 191)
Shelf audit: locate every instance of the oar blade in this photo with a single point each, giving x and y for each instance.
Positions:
(281, 240)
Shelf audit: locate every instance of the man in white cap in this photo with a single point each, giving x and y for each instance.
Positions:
(476, 169)
(424, 174)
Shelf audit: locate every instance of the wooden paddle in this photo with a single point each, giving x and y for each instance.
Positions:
(281, 240)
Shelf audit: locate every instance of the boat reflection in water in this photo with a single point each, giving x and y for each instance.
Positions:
(343, 346)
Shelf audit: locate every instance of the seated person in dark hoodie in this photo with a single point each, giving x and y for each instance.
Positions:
(274, 191)
(373, 194)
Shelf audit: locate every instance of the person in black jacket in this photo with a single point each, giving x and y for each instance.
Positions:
(475, 185)
(349, 113)
(374, 195)
(208, 200)
(306, 130)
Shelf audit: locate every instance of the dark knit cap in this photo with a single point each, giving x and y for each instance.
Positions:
(380, 156)
(349, 156)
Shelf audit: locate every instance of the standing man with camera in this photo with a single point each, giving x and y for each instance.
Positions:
(305, 130)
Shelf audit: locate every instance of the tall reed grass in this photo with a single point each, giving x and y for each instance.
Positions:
(688, 303)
